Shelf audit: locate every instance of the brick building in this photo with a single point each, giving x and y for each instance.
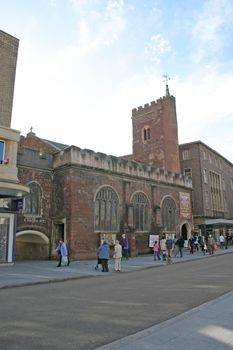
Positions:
(212, 178)
(82, 196)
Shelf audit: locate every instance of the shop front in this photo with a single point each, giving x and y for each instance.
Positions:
(216, 227)
(7, 237)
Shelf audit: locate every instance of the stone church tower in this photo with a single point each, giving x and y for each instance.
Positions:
(155, 134)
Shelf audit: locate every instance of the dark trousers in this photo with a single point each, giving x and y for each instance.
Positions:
(104, 265)
(126, 253)
(59, 262)
(181, 251)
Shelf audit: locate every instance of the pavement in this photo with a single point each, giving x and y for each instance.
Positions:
(209, 326)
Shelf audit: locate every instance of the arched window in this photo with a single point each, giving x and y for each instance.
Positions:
(140, 212)
(146, 134)
(169, 214)
(33, 199)
(106, 210)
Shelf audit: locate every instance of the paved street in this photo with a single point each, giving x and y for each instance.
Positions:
(86, 313)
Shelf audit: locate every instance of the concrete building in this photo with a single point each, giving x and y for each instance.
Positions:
(11, 191)
(84, 196)
(212, 178)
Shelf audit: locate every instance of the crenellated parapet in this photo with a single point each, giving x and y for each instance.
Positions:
(150, 107)
(87, 158)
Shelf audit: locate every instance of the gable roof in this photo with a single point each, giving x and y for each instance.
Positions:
(57, 145)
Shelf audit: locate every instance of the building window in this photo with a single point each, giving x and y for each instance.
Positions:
(33, 199)
(216, 192)
(205, 175)
(169, 214)
(140, 212)
(146, 134)
(231, 184)
(207, 200)
(106, 210)
(188, 173)
(210, 159)
(223, 185)
(2, 151)
(186, 154)
(204, 155)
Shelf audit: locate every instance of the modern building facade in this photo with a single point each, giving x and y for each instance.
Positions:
(212, 178)
(84, 196)
(11, 191)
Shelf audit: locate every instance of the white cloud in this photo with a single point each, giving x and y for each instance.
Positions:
(210, 23)
(157, 47)
(99, 27)
(205, 110)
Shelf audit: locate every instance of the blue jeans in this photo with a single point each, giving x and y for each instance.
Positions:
(156, 255)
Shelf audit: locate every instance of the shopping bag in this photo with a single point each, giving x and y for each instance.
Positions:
(64, 261)
(215, 247)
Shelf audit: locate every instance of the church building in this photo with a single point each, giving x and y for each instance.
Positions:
(84, 196)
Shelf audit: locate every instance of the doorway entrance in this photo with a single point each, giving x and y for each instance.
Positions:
(184, 232)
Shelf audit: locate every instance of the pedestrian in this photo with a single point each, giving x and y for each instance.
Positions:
(163, 246)
(203, 245)
(222, 241)
(104, 253)
(180, 245)
(98, 262)
(156, 251)
(176, 250)
(63, 253)
(227, 239)
(210, 244)
(196, 243)
(117, 255)
(191, 244)
(125, 246)
(169, 246)
(68, 255)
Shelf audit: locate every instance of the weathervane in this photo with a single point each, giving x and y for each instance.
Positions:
(165, 79)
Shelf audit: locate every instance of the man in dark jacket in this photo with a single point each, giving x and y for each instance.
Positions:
(180, 244)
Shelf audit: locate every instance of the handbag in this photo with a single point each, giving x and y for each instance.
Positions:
(215, 247)
(64, 261)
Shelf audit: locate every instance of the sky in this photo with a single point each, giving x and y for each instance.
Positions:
(83, 65)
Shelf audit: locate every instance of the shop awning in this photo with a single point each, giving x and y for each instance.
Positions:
(218, 222)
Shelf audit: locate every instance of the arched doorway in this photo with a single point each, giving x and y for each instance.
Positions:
(184, 232)
(31, 245)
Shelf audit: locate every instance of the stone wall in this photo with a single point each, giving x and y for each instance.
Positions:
(8, 60)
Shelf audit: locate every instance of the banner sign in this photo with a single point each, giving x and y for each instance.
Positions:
(185, 205)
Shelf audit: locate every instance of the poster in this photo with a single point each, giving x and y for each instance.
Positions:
(152, 239)
(185, 205)
(109, 237)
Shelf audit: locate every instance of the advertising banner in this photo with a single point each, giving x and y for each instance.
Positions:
(185, 205)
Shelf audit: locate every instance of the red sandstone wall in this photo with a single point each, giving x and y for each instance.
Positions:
(162, 149)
